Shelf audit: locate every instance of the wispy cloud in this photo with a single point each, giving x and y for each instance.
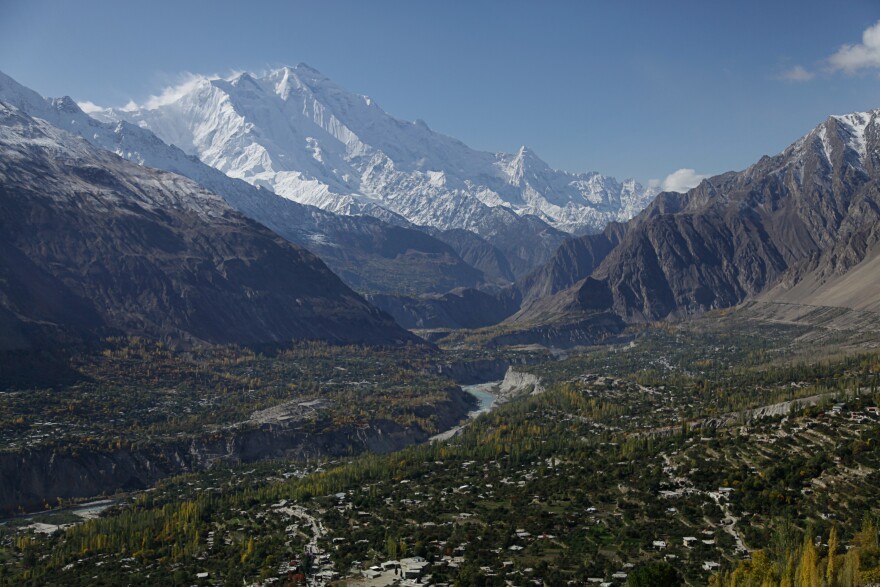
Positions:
(175, 92)
(798, 73)
(89, 107)
(682, 180)
(864, 55)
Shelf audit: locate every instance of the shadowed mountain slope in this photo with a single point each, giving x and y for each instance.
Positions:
(94, 245)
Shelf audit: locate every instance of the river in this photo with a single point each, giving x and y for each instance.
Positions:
(487, 400)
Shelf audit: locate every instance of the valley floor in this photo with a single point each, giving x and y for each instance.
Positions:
(697, 446)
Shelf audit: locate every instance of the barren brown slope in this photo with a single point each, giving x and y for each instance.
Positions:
(808, 214)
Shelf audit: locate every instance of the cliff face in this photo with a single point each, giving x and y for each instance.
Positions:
(476, 371)
(517, 382)
(30, 478)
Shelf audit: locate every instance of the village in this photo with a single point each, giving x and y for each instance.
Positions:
(428, 529)
(578, 479)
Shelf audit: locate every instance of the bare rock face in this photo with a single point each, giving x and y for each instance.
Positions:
(573, 261)
(478, 253)
(797, 224)
(93, 245)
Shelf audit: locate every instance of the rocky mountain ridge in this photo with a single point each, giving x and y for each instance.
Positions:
(94, 245)
(370, 254)
(297, 133)
(808, 214)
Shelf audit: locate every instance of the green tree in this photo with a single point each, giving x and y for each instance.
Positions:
(657, 574)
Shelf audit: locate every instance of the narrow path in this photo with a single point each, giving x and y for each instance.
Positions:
(318, 530)
(729, 521)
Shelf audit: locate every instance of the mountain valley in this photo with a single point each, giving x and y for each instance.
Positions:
(256, 330)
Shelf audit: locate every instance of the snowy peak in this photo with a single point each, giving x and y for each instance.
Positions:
(855, 127)
(296, 132)
(524, 162)
(840, 142)
(22, 98)
(299, 76)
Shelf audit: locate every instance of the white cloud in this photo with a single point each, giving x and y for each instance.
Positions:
(89, 107)
(798, 73)
(864, 55)
(682, 180)
(173, 93)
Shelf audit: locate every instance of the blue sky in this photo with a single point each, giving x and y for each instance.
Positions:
(632, 89)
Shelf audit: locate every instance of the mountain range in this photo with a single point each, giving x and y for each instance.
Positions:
(95, 246)
(439, 235)
(370, 254)
(800, 227)
(299, 134)
(796, 233)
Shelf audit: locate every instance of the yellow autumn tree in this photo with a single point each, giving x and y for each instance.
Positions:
(831, 568)
(808, 571)
(849, 573)
(249, 551)
(788, 573)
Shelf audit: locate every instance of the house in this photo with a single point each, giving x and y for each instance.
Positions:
(413, 567)
(711, 566)
(659, 544)
(689, 541)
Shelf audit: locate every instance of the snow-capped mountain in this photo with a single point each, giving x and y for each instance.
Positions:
(368, 253)
(94, 245)
(299, 134)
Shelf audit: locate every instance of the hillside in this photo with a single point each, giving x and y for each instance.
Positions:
(799, 227)
(94, 246)
(368, 253)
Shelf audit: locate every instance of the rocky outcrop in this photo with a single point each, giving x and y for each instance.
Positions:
(519, 383)
(574, 260)
(475, 371)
